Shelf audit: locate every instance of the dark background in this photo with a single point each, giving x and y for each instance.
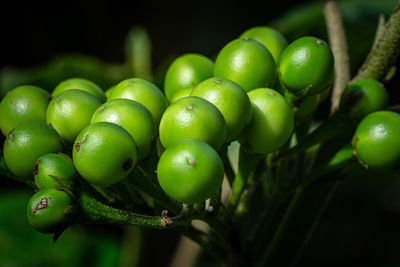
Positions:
(361, 226)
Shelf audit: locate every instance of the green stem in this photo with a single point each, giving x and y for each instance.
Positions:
(337, 41)
(333, 126)
(95, 212)
(246, 164)
(384, 54)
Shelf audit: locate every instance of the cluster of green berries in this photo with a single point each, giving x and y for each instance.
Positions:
(244, 95)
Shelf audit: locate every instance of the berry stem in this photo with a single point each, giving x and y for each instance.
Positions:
(385, 51)
(338, 43)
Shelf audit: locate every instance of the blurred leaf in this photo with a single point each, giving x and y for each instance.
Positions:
(138, 53)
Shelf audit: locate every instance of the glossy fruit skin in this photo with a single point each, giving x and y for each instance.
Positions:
(135, 118)
(55, 171)
(79, 84)
(376, 141)
(230, 99)
(273, 40)
(272, 121)
(193, 117)
(306, 66)
(363, 97)
(190, 171)
(187, 91)
(50, 210)
(26, 143)
(104, 153)
(246, 62)
(143, 92)
(109, 91)
(70, 112)
(187, 71)
(24, 103)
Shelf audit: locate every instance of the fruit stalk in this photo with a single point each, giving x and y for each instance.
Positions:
(384, 54)
(338, 43)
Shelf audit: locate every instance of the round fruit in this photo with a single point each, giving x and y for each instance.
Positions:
(193, 117)
(24, 103)
(230, 99)
(246, 62)
(134, 118)
(376, 141)
(363, 97)
(50, 210)
(104, 153)
(143, 92)
(182, 93)
(270, 38)
(272, 121)
(304, 109)
(70, 112)
(190, 171)
(26, 143)
(54, 171)
(187, 71)
(109, 92)
(80, 84)
(306, 66)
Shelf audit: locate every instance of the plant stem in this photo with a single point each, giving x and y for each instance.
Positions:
(95, 212)
(246, 164)
(384, 54)
(337, 41)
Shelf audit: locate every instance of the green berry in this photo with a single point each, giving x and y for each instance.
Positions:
(109, 91)
(143, 92)
(55, 171)
(230, 99)
(193, 117)
(134, 118)
(70, 112)
(50, 210)
(26, 143)
(24, 103)
(376, 141)
(306, 66)
(104, 153)
(363, 97)
(270, 38)
(246, 62)
(80, 84)
(190, 171)
(272, 121)
(187, 71)
(182, 93)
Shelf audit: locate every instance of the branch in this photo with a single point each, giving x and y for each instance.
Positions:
(384, 54)
(337, 41)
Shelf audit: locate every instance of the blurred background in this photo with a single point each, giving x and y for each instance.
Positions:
(42, 44)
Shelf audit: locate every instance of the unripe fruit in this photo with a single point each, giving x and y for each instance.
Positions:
(272, 122)
(182, 93)
(363, 97)
(270, 38)
(134, 118)
(143, 92)
(193, 117)
(187, 71)
(24, 103)
(376, 141)
(306, 66)
(305, 107)
(70, 112)
(230, 99)
(55, 171)
(80, 84)
(246, 62)
(26, 143)
(104, 153)
(50, 210)
(190, 171)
